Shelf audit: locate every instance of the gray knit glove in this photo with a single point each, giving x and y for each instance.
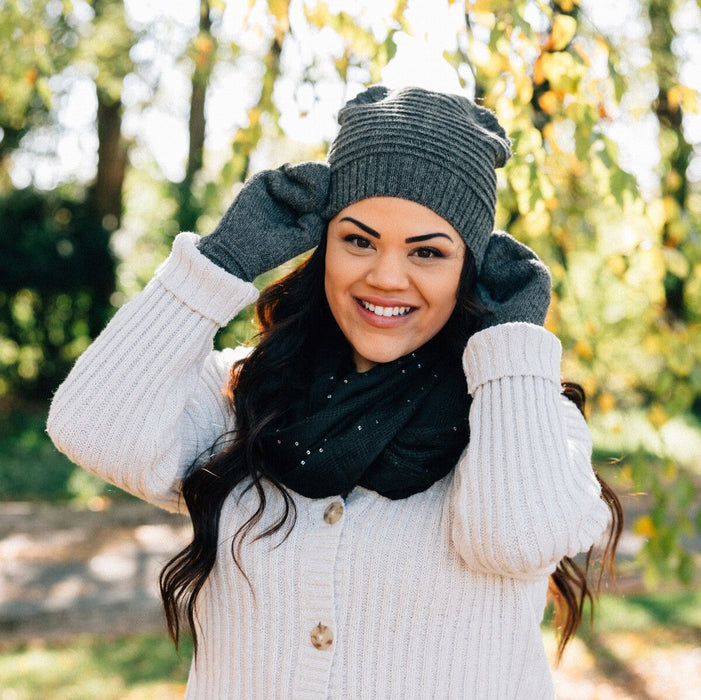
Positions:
(513, 283)
(276, 216)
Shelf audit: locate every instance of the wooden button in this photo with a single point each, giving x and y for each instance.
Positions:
(322, 637)
(333, 512)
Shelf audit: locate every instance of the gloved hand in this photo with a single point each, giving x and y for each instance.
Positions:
(513, 283)
(275, 217)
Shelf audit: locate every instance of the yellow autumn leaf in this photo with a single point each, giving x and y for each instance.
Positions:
(319, 15)
(539, 70)
(279, 9)
(584, 349)
(492, 64)
(478, 5)
(537, 221)
(523, 85)
(254, 115)
(684, 97)
(563, 30)
(602, 45)
(617, 264)
(548, 102)
(671, 470)
(673, 181)
(204, 43)
(657, 416)
(644, 526)
(671, 208)
(561, 70)
(342, 63)
(484, 19)
(590, 385)
(552, 319)
(676, 262)
(607, 402)
(550, 135)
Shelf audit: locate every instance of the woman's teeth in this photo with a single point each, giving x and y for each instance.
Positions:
(386, 310)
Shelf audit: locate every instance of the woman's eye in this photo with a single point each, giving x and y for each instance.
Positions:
(428, 253)
(358, 241)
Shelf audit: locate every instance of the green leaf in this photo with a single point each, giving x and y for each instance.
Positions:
(686, 569)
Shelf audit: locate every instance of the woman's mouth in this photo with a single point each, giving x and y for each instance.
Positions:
(385, 311)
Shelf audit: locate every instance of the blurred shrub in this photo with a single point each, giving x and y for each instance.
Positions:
(31, 468)
(56, 279)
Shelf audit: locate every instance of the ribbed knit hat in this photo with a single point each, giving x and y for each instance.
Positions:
(439, 150)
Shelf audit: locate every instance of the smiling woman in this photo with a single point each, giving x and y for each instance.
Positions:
(382, 488)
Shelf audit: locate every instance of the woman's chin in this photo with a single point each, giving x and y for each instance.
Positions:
(365, 361)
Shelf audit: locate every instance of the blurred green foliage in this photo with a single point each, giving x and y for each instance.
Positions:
(56, 279)
(30, 466)
(42, 42)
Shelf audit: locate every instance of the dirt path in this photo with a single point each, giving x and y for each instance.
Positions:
(64, 572)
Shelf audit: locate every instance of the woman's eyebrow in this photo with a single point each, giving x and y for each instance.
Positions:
(426, 237)
(362, 226)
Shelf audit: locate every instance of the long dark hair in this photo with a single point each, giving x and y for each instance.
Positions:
(292, 316)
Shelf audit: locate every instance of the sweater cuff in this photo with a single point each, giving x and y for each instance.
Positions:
(511, 349)
(200, 284)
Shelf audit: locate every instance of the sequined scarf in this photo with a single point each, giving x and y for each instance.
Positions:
(395, 429)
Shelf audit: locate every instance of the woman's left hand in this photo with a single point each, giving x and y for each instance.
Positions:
(513, 283)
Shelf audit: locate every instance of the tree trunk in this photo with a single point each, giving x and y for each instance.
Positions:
(675, 162)
(204, 62)
(106, 193)
(189, 208)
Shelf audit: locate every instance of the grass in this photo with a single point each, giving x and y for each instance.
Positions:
(95, 668)
(644, 612)
(677, 612)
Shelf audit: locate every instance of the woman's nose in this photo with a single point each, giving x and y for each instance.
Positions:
(388, 272)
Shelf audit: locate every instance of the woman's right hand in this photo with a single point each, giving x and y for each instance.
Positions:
(513, 284)
(276, 216)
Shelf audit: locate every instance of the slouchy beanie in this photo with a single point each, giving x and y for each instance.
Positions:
(436, 149)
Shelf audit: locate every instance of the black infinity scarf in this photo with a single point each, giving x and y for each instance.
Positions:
(395, 429)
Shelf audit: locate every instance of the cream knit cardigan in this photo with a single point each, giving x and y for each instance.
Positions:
(439, 595)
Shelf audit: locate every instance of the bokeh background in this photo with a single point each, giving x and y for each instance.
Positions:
(122, 123)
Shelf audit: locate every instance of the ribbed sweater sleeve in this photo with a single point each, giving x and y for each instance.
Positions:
(525, 493)
(146, 398)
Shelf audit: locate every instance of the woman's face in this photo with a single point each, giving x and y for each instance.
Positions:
(392, 275)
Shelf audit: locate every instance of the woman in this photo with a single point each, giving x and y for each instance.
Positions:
(381, 490)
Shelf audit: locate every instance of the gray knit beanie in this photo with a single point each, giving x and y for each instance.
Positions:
(436, 149)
